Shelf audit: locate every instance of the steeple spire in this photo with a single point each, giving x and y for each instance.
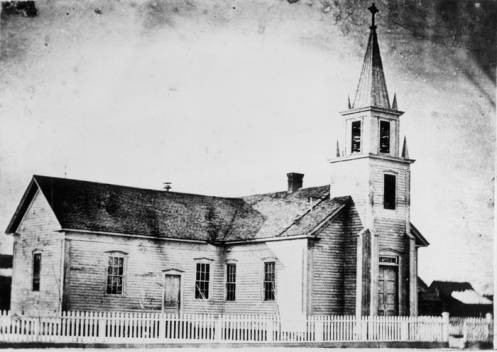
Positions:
(405, 151)
(372, 89)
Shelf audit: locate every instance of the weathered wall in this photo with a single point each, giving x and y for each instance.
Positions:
(145, 261)
(290, 257)
(37, 232)
(391, 225)
(333, 265)
(81, 260)
(327, 269)
(366, 273)
(363, 179)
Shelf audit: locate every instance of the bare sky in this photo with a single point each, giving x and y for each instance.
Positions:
(225, 97)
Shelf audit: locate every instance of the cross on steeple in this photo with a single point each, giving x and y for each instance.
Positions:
(373, 9)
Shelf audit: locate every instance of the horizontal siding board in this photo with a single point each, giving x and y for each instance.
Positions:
(37, 232)
(146, 260)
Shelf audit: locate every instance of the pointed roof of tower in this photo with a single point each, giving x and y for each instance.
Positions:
(405, 151)
(372, 89)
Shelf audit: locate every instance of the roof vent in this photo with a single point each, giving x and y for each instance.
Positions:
(167, 186)
(295, 181)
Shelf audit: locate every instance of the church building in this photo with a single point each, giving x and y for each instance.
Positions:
(345, 248)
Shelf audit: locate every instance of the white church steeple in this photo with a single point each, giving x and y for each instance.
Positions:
(371, 168)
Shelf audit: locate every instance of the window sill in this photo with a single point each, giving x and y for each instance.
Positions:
(115, 295)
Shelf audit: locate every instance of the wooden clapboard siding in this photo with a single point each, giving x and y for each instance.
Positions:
(327, 270)
(86, 265)
(334, 258)
(315, 278)
(37, 232)
(145, 263)
(363, 179)
(353, 225)
(249, 259)
(388, 221)
(391, 225)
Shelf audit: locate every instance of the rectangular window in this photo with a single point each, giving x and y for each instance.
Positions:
(202, 281)
(389, 192)
(269, 281)
(356, 136)
(389, 260)
(36, 271)
(230, 282)
(384, 137)
(115, 273)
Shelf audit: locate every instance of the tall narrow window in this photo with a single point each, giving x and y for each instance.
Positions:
(115, 273)
(202, 281)
(389, 192)
(230, 282)
(36, 271)
(356, 136)
(384, 137)
(269, 281)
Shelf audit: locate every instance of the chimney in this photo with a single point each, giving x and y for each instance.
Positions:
(294, 181)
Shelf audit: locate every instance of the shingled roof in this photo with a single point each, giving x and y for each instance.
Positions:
(100, 207)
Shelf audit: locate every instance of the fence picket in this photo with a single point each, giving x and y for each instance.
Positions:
(74, 326)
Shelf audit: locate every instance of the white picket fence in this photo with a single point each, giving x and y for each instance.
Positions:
(127, 327)
(472, 329)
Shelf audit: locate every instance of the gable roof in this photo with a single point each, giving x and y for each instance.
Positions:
(291, 214)
(101, 207)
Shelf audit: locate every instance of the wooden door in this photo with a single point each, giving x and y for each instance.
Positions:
(388, 290)
(172, 294)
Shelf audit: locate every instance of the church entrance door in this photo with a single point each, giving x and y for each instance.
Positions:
(388, 290)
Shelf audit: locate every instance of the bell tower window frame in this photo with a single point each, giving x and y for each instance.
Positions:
(384, 141)
(389, 191)
(355, 136)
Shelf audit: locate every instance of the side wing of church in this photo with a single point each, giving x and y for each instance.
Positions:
(347, 248)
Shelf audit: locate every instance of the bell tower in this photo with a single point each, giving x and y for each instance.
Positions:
(371, 168)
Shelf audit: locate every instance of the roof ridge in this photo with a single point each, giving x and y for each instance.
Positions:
(284, 192)
(135, 188)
